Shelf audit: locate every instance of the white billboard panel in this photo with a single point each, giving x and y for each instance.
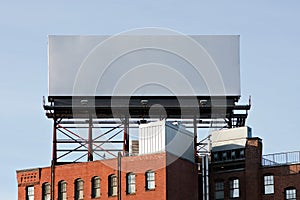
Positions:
(144, 65)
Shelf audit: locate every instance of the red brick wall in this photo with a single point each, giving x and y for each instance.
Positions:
(27, 178)
(249, 177)
(182, 179)
(284, 176)
(253, 154)
(226, 177)
(252, 176)
(86, 171)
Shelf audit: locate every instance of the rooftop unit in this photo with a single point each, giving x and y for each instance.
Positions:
(162, 136)
(229, 139)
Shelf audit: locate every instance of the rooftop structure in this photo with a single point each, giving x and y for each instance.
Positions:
(102, 89)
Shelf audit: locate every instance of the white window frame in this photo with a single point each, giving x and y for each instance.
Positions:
(79, 189)
(62, 190)
(234, 188)
(219, 190)
(46, 189)
(150, 180)
(130, 183)
(95, 187)
(112, 185)
(30, 192)
(269, 184)
(290, 193)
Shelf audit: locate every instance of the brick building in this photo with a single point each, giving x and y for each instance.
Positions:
(243, 173)
(142, 177)
(155, 169)
(236, 170)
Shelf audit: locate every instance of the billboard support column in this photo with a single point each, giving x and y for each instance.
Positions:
(54, 158)
(195, 137)
(90, 139)
(126, 136)
(54, 142)
(119, 176)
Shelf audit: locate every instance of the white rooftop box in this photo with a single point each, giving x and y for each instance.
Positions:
(163, 136)
(233, 138)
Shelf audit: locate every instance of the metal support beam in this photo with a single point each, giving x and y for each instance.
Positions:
(119, 176)
(54, 159)
(195, 137)
(91, 117)
(205, 177)
(54, 142)
(230, 121)
(52, 180)
(90, 139)
(126, 137)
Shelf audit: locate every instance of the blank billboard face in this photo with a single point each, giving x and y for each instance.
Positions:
(144, 65)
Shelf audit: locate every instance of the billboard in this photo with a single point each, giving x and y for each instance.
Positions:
(144, 65)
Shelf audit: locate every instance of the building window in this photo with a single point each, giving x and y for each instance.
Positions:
(233, 154)
(30, 193)
(234, 190)
(62, 190)
(290, 193)
(46, 191)
(219, 190)
(112, 185)
(130, 186)
(95, 187)
(78, 189)
(224, 155)
(242, 153)
(269, 184)
(216, 157)
(150, 180)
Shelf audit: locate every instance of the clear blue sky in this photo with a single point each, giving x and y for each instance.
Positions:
(270, 63)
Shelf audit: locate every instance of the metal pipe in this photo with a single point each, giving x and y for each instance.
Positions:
(90, 139)
(195, 138)
(203, 178)
(84, 150)
(207, 178)
(54, 159)
(119, 176)
(84, 141)
(52, 180)
(54, 142)
(126, 136)
(209, 144)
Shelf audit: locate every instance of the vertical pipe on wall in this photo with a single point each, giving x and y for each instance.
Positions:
(119, 177)
(203, 178)
(207, 177)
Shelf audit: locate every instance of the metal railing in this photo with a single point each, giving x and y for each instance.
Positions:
(281, 158)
